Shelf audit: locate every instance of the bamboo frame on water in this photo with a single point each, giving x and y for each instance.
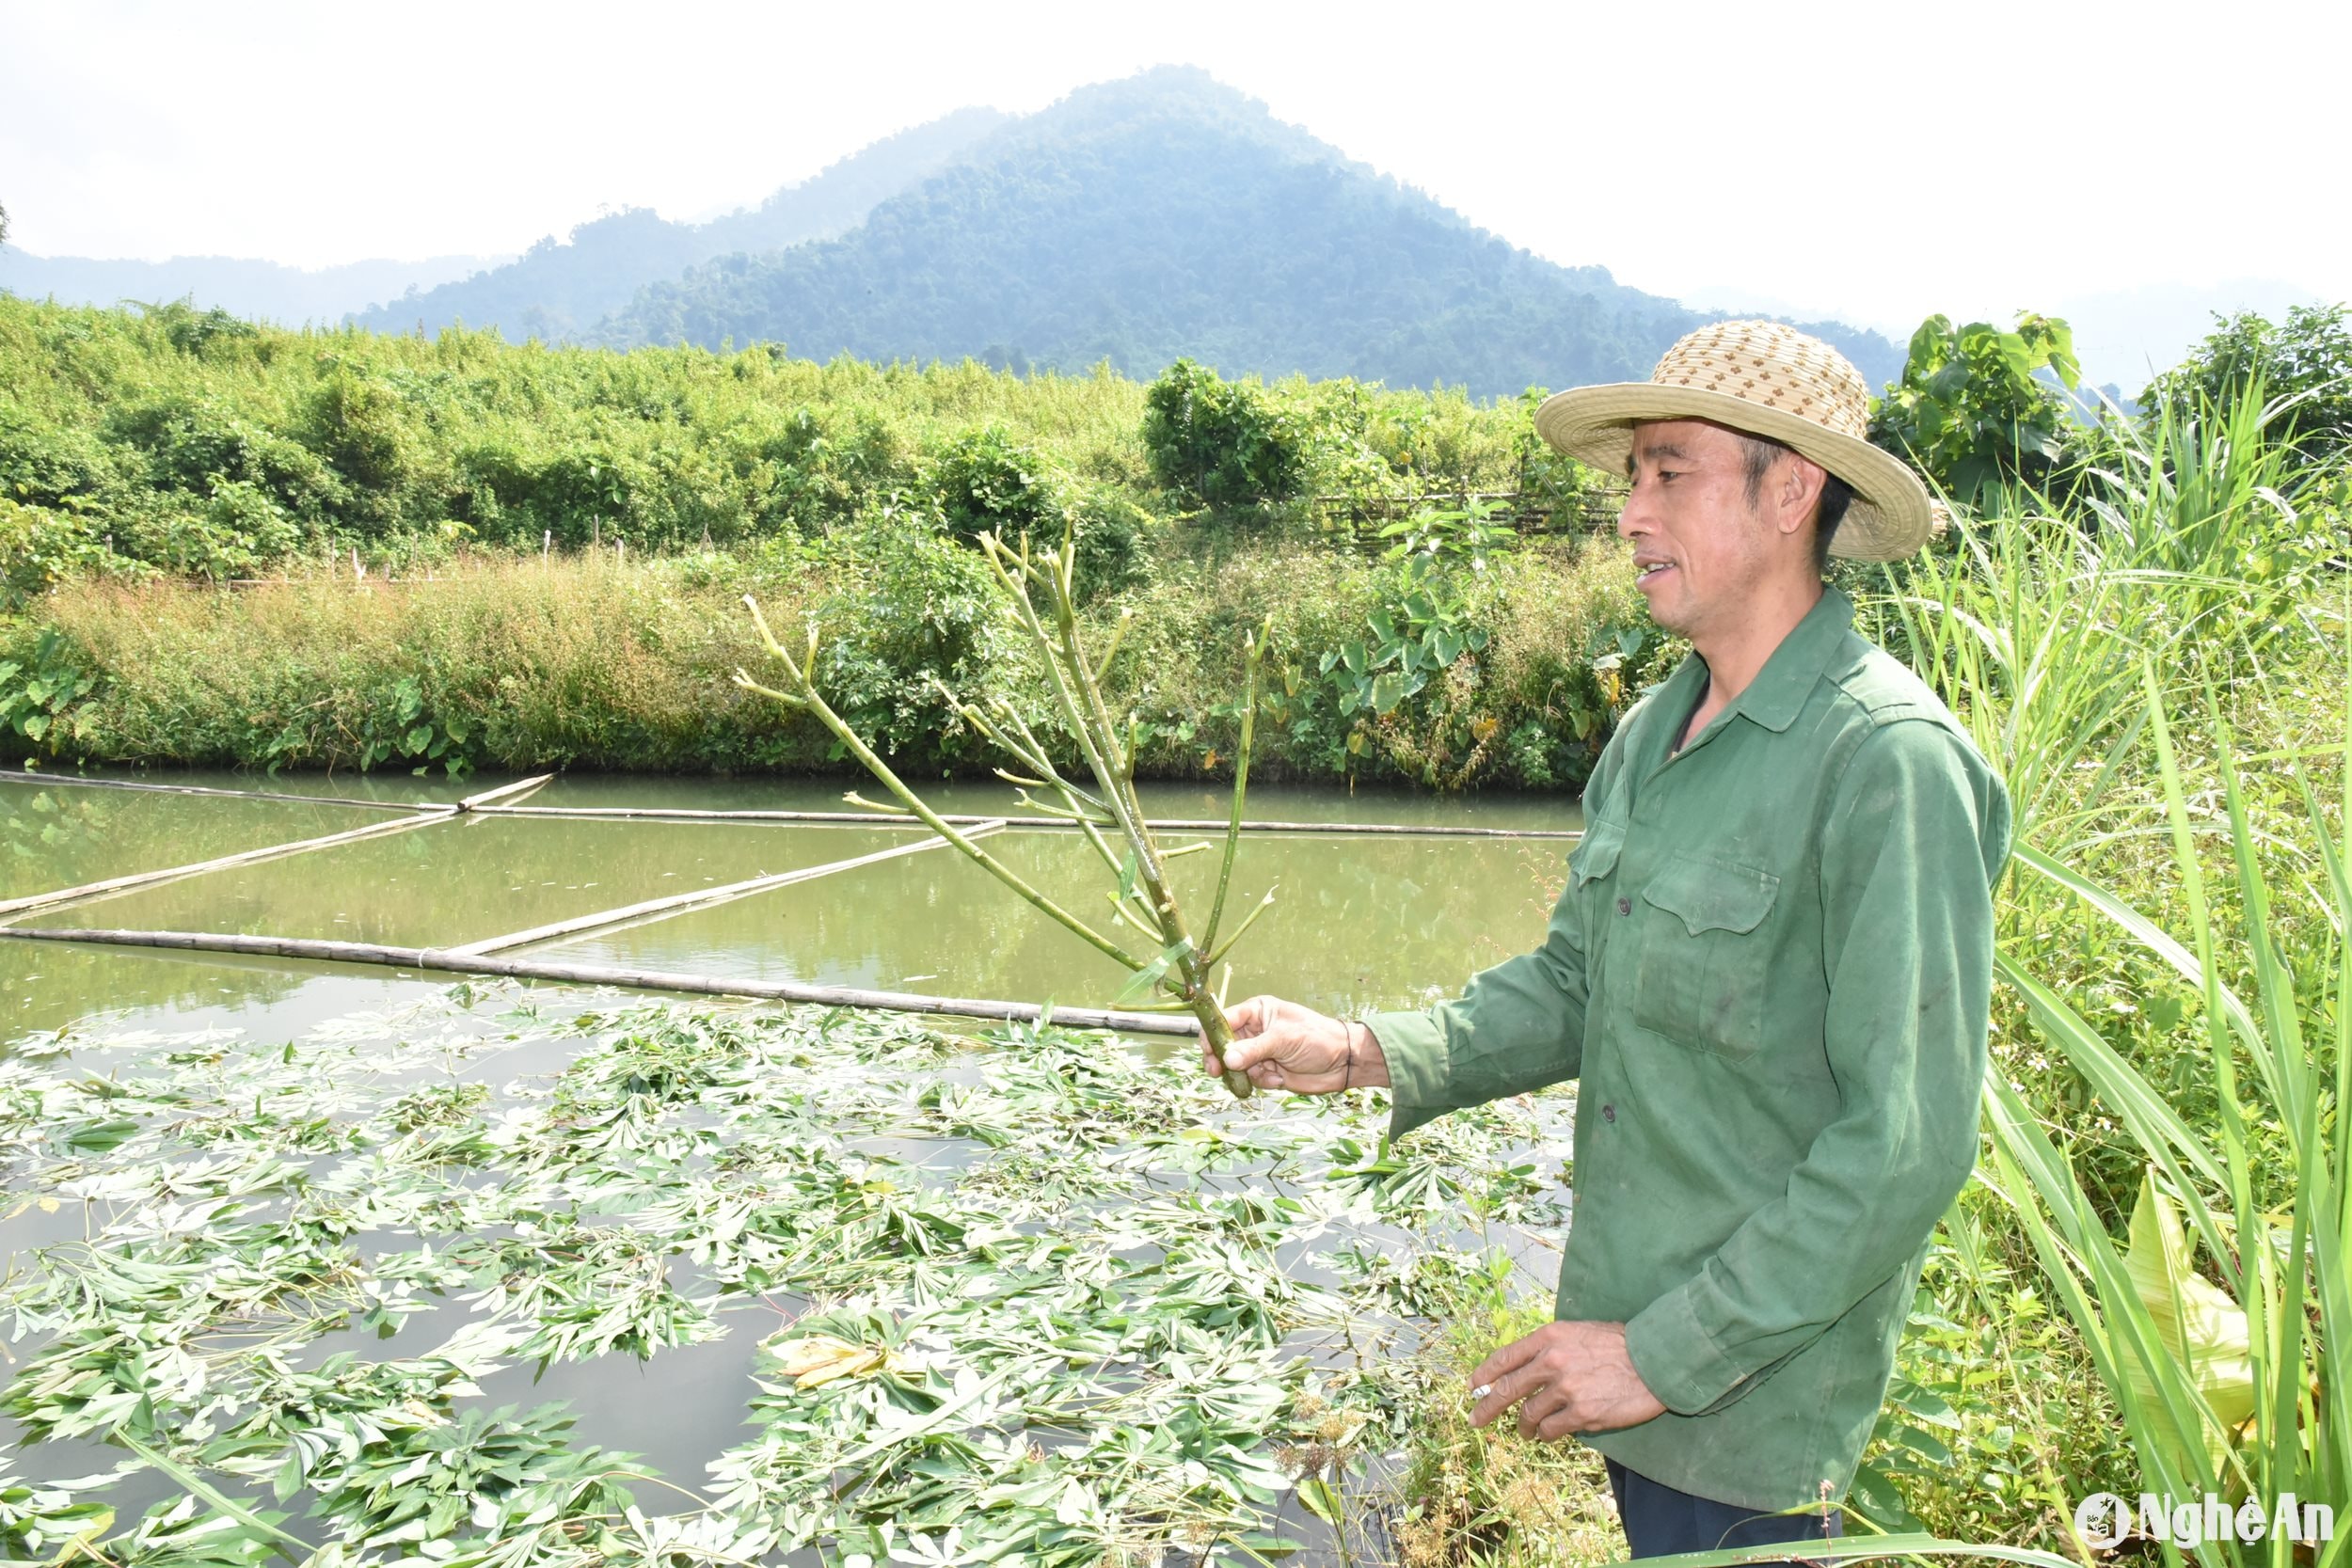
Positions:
(1016, 824)
(852, 818)
(679, 903)
(423, 816)
(452, 962)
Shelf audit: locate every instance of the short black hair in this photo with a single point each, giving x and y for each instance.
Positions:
(1758, 454)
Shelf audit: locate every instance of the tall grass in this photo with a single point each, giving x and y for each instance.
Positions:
(2087, 639)
(2192, 546)
(2237, 1387)
(576, 662)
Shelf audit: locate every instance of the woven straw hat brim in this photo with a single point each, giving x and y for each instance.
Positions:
(1890, 519)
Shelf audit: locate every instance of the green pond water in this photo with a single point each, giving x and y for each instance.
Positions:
(1358, 922)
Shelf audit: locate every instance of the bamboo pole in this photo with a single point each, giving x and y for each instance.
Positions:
(30, 777)
(11, 908)
(677, 903)
(447, 961)
(489, 804)
(900, 820)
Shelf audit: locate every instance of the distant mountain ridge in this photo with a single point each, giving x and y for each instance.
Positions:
(1167, 214)
(561, 290)
(258, 291)
(1134, 222)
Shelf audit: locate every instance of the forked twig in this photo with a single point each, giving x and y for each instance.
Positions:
(1143, 899)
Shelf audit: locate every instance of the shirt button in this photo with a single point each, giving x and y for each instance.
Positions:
(1625, 906)
(1609, 1115)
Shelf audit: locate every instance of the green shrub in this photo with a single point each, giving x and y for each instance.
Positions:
(1226, 444)
(1969, 412)
(42, 464)
(2303, 365)
(40, 549)
(986, 483)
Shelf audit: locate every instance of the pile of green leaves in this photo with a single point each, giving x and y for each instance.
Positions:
(1044, 1304)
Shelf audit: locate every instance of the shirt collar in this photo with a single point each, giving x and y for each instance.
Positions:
(1778, 693)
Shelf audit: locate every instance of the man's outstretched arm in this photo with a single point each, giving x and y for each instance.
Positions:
(1518, 1026)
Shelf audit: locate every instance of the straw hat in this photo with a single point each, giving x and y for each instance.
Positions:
(1768, 380)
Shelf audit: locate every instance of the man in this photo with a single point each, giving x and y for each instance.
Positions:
(1770, 971)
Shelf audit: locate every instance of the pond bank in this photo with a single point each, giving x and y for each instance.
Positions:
(588, 665)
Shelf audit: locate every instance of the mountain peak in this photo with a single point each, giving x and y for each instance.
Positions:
(1167, 214)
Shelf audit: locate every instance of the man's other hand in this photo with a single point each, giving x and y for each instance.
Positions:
(1282, 1045)
(1565, 1377)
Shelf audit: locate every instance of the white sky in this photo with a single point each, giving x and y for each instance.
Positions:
(1875, 160)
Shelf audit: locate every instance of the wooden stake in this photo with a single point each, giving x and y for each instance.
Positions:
(447, 961)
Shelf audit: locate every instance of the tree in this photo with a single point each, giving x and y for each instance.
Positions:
(1225, 443)
(1971, 413)
(2304, 365)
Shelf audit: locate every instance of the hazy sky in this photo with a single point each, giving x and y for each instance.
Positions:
(1876, 160)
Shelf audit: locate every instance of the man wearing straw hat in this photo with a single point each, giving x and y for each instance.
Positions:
(1771, 971)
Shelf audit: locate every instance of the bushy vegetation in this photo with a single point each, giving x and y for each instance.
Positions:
(530, 557)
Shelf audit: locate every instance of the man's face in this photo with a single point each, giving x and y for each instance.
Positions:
(1699, 544)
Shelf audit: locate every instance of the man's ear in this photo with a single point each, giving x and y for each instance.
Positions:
(1798, 491)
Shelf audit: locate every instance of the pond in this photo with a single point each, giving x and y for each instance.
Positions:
(1358, 922)
(298, 1231)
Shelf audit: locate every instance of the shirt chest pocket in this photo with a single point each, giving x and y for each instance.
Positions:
(1705, 954)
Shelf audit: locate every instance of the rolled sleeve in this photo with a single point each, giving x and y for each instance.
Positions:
(1918, 832)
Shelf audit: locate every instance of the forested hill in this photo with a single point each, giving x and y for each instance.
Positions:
(1167, 216)
(559, 290)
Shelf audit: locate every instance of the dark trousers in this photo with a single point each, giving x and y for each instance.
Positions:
(1659, 1521)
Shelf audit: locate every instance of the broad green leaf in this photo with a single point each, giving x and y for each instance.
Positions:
(2199, 1326)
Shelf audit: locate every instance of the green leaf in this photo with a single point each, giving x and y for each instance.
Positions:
(2199, 1326)
(1388, 690)
(1140, 984)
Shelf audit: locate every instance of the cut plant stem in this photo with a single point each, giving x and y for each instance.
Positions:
(1143, 899)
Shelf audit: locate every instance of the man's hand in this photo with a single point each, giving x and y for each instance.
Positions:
(1282, 1045)
(1565, 1377)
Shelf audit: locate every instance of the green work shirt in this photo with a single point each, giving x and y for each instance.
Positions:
(1770, 971)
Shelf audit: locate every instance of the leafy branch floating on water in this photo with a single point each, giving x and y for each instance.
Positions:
(1181, 964)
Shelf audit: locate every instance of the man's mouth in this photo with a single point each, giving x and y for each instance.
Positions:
(1650, 571)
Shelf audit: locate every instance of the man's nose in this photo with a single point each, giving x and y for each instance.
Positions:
(1633, 516)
